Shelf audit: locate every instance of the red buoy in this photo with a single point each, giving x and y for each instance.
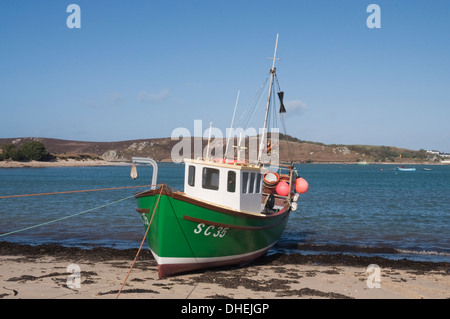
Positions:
(282, 189)
(301, 185)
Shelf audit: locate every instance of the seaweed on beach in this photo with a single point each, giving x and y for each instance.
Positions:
(54, 250)
(358, 261)
(105, 254)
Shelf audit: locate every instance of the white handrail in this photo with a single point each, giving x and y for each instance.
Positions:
(151, 161)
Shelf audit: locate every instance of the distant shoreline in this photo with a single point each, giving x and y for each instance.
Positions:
(161, 149)
(99, 163)
(60, 163)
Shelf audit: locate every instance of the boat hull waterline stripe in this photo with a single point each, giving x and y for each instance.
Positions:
(187, 260)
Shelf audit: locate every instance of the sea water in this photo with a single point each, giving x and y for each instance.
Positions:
(357, 209)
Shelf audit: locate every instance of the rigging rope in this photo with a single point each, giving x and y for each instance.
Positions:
(283, 124)
(247, 116)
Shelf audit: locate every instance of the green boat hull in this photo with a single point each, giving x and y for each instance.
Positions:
(187, 234)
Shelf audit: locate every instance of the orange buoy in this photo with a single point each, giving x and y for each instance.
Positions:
(301, 185)
(282, 189)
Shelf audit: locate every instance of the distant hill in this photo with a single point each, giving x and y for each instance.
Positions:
(291, 150)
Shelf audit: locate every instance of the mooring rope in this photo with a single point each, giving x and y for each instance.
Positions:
(310, 220)
(76, 214)
(78, 191)
(142, 242)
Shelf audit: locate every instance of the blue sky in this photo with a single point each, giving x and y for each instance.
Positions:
(140, 69)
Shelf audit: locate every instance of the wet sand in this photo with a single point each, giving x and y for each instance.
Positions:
(46, 272)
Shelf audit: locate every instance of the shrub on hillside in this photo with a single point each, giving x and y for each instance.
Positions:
(10, 151)
(34, 151)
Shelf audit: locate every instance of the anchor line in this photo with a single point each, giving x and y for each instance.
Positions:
(142, 243)
(70, 216)
(78, 191)
(310, 220)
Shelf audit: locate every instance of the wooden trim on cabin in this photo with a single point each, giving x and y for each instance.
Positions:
(221, 209)
(225, 210)
(238, 166)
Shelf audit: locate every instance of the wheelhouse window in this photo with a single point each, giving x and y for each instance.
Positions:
(231, 182)
(191, 176)
(244, 182)
(252, 183)
(210, 178)
(258, 183)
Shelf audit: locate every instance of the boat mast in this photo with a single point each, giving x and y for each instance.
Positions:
(231, 127)
(272, 73)
(209, 141)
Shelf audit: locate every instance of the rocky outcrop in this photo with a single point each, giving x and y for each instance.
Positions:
(112, 156)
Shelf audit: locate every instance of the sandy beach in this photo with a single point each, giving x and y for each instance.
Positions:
(50, 272)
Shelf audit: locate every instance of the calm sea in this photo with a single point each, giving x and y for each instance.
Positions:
(363, 210)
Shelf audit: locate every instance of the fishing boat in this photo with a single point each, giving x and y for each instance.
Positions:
(230, 212)
(406, 169)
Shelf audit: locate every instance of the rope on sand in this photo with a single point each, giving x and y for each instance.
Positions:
(142, 242)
